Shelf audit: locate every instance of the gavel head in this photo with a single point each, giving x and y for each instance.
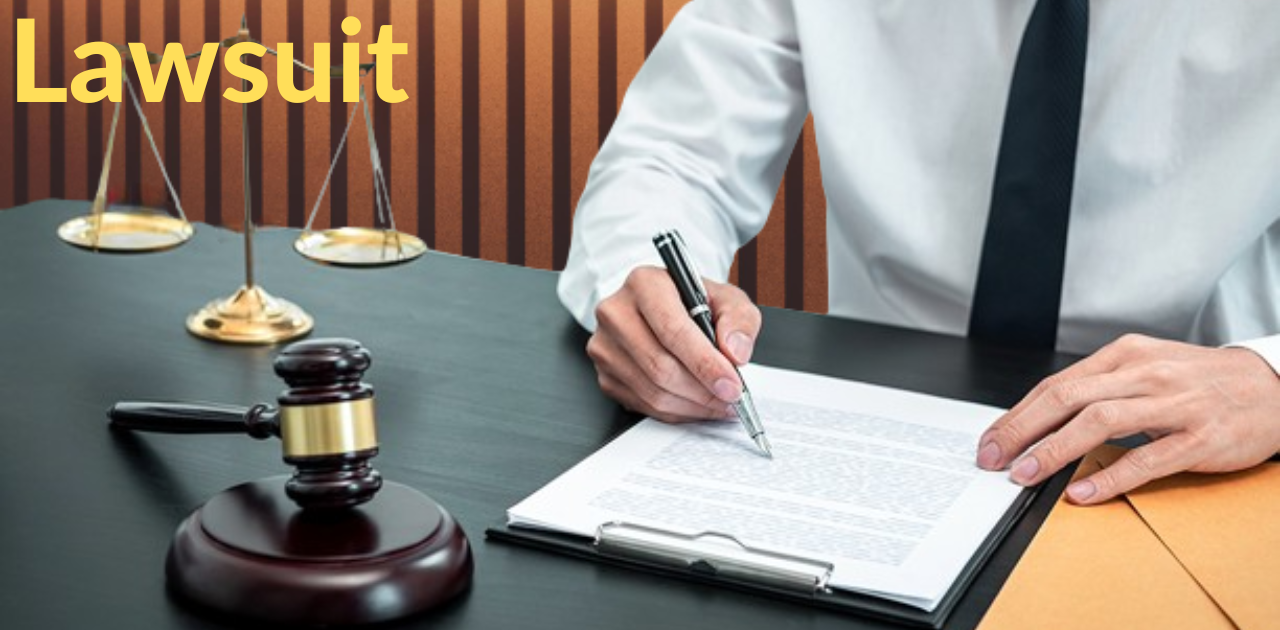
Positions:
(327, 423)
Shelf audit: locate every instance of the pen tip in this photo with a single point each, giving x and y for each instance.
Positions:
(763, 443)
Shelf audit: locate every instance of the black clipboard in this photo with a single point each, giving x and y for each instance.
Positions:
(701, 571)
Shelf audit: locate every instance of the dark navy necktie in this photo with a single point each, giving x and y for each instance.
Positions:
(1019, 286)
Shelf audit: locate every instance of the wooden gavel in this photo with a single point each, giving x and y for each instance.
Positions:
(331, 553)
(325, 421)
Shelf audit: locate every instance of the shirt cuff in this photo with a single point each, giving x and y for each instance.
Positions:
(1266, 347)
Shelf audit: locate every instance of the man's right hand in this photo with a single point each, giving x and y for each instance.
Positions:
(652, 358)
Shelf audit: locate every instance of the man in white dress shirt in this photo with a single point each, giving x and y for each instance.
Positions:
(1174, 239)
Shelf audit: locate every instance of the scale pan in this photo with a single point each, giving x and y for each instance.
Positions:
(359, 247)
(130, 229)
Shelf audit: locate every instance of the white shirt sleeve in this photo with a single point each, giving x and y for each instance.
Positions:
(700, 145)
(1266, 347)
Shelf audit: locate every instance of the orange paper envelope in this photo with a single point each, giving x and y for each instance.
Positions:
(1191, 551)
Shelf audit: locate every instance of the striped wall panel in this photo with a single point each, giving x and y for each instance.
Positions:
(508, 103)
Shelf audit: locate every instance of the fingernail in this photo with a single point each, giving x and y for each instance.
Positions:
(1026, 469)
(725, 390)
(989, 456)
(740, 346)
(1080, 491)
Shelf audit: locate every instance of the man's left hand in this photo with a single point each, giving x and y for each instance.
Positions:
(1205, 410)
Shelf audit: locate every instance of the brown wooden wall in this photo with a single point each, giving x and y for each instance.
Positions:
(508, 103)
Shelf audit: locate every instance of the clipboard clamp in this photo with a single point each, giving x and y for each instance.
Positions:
(713, 554)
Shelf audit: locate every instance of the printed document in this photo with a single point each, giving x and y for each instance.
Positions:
(879, 482)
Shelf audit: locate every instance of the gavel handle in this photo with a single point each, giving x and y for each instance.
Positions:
(260, 421)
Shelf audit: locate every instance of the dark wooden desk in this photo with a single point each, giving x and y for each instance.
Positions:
(484, 394)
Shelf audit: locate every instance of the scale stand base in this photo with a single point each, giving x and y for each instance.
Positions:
(251, 553)
(251, 316)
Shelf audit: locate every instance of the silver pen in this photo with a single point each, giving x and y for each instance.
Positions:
(694, 296)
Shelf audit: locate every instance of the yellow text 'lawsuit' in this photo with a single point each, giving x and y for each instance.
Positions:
(193, 87)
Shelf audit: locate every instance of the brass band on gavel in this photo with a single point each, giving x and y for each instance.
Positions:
(328, 429)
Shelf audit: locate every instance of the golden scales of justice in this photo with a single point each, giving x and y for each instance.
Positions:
(250, 315)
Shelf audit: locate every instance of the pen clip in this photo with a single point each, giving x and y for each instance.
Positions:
(681, 252)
